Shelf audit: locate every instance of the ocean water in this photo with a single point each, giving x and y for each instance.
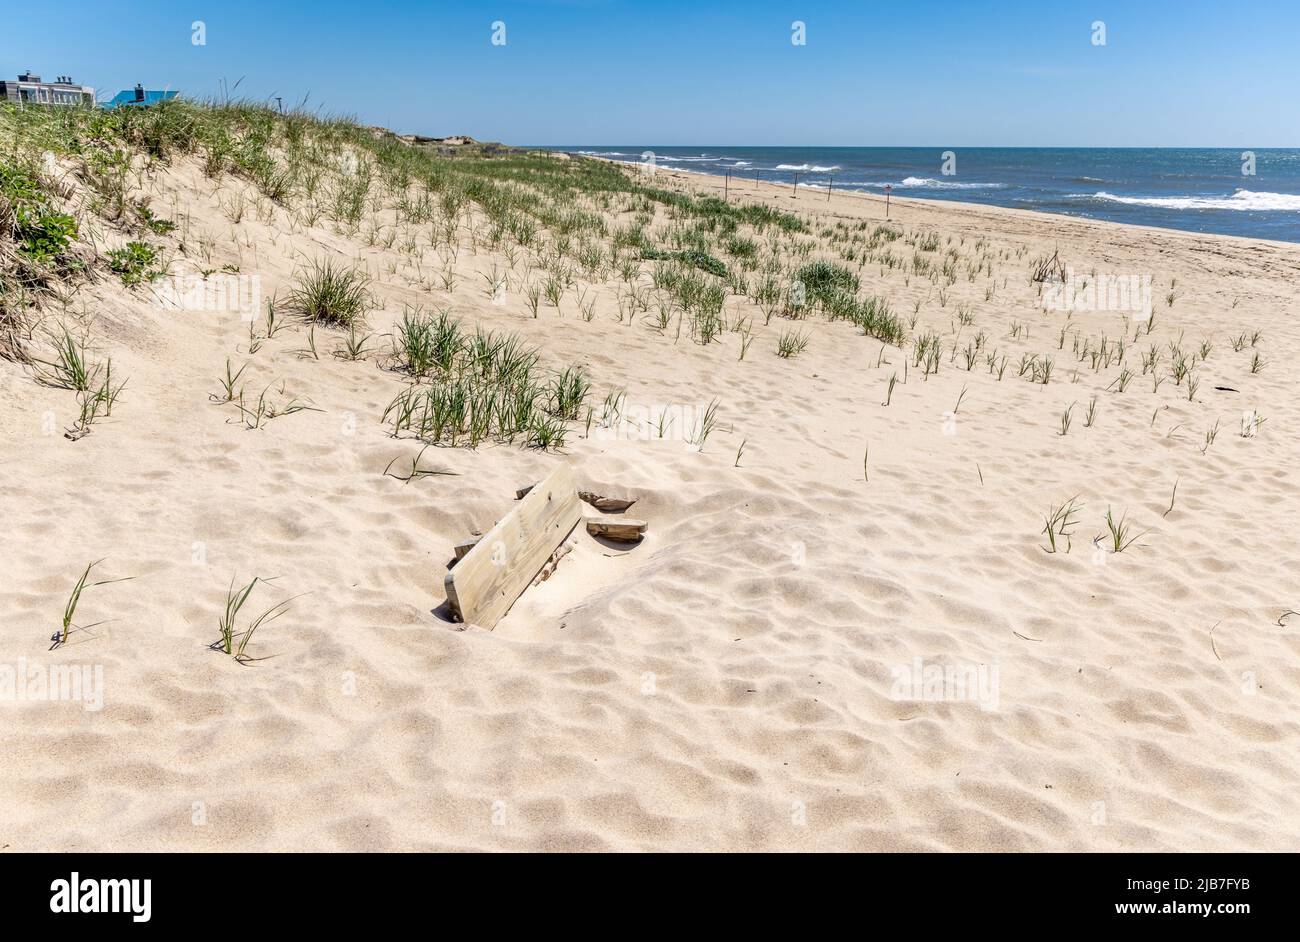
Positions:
(1200, 190)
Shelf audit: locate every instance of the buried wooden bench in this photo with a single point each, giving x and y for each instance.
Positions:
(491, 574)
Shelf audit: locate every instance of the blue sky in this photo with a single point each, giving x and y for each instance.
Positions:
(946, 72)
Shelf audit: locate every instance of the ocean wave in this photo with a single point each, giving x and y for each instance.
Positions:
(932, 184)
(808, 168)
(1245, 200)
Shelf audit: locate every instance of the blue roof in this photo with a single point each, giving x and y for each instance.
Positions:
(127, 98)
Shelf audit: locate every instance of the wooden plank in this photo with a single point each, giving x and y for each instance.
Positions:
(492, 575)
(462, 548)
(623, 529)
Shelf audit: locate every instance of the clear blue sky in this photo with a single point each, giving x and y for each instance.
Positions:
(873, 72)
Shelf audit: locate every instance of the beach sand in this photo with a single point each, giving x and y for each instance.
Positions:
(731, 683)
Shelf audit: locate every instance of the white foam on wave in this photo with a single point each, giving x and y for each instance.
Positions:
(932, 184)
(808, 168)
(1243, 200)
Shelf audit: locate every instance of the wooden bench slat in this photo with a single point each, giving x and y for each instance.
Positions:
(491, 576)
(624, 529)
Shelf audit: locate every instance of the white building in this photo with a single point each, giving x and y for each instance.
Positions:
(30, 90)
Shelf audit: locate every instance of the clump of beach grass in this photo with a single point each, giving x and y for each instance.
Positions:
(1057, 524)
(472, 388)
(704, 428)
(1121, 532)
(790, 344)
(331, 294)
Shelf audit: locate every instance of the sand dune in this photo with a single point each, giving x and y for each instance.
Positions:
(731, 682)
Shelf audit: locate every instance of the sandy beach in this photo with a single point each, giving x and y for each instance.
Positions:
(756, 674)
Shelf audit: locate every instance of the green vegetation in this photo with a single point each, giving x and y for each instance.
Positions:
(791, 344)
(693, 257)
(824, 281)
(226, 623)
(1058, 522)
(331, 294)
(472, 388)
(1121, 532)
(135, 263)
(70, 609)
(42, 235)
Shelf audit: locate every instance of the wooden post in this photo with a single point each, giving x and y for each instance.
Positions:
(888, 187)
(830, 186)
(726, 187)
(796, 185)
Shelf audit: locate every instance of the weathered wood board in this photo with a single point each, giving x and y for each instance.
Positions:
(462, 548)
(623, 529)
(492, 575)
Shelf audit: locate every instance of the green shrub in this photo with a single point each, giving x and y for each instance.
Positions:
(136, 263)
(155, 224)
(41, 234)
(693, 257)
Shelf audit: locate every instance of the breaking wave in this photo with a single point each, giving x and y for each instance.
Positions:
(1247, 200)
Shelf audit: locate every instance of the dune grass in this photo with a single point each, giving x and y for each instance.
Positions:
(790, 344)
(1121, 532)
(1058, 523)
(74, 599)
(233, 640)
(331, 294)
(479, 387)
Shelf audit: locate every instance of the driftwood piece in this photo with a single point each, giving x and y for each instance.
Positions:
(609, 504)
(600, 502)
(622, 529)
(492, 575)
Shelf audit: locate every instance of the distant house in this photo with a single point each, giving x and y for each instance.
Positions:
(139, 97)
(29, 89)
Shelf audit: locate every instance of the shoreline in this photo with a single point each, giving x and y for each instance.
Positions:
(750, 188)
